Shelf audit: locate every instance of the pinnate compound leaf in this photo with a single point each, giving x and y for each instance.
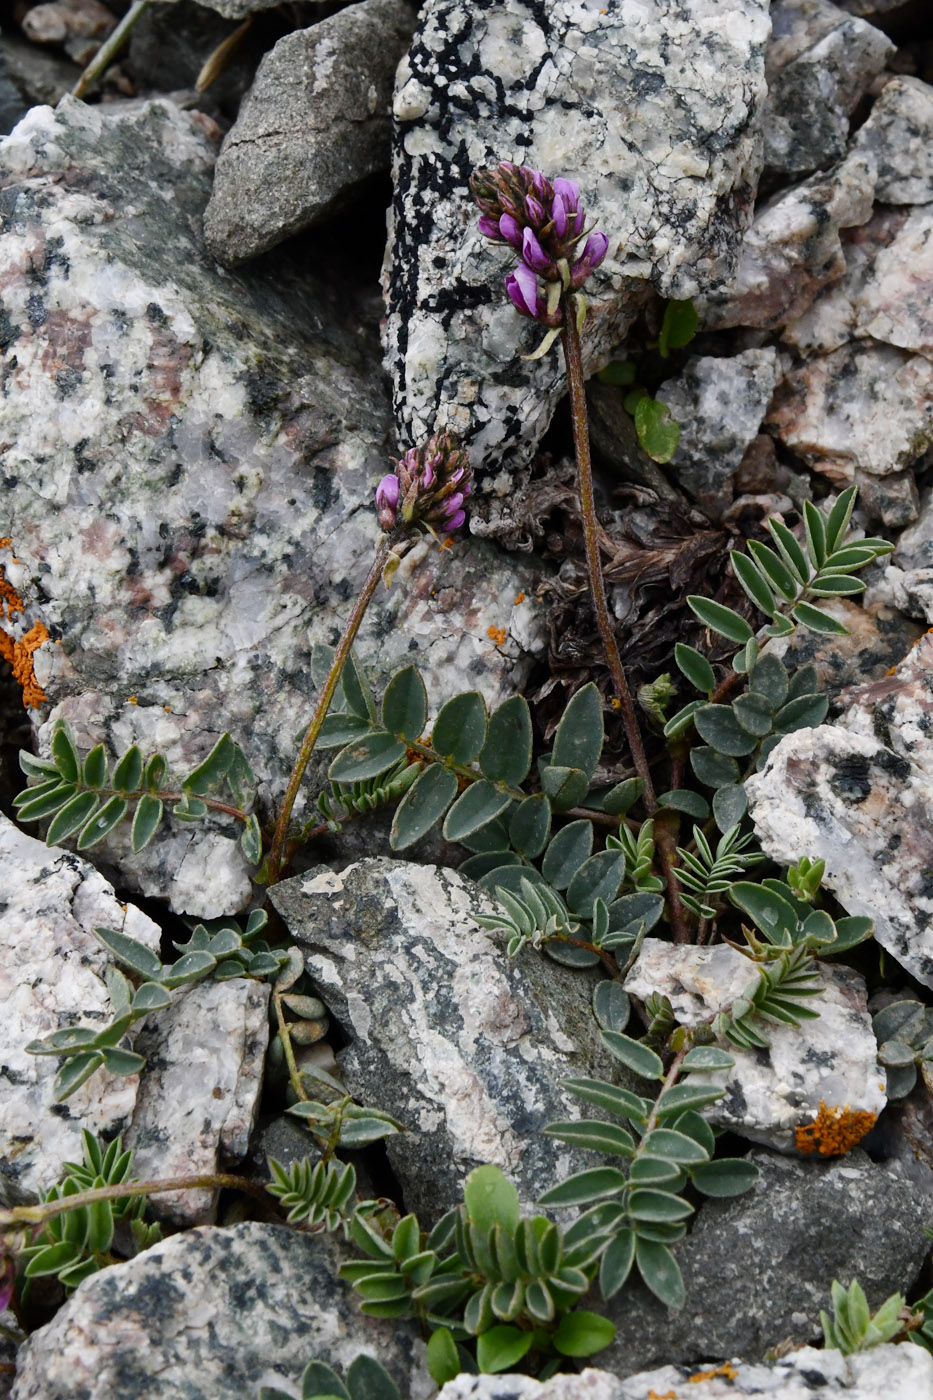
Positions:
(460, 729)
(581, 1333)
(371, 756)
(479, 804)
(424, 803)
(721, 619)
(636, 1056)
(73, 815)
(506, 755)
(578, 742)
(146, 821)
(37, 802)
(661, 1272)
(405, 704)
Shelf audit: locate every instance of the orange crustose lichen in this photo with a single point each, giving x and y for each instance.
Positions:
(496, 634)
(19, 653)
(834, 1130)
(726, 1369)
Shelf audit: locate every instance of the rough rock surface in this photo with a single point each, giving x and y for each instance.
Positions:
(819, 63)
(462, 1046)
(896, 1372)
(898, 133)
(758, 1268)
(51, 976)
(199, 1093)
(770, 1093)
(651, 108)
(860, 794)
(719, 403)
(908, 580)
(208, 1313)
(315, 123)
(188, 462)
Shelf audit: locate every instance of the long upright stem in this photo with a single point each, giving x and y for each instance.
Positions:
(664, 837)
(323, 705)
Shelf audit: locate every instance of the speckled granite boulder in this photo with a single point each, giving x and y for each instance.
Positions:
(52, 975)
(192, 1107)
(462, 1045)
(758, 1268)
(896, 1372)
(859, 794)
(315, 123)
(652, 108)
(819, 63)
(769, 1093)
(188, 460)
(210, 1315)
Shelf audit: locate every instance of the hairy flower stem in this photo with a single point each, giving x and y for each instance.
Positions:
(18, 1216)
(665, 839)
(323, 705)
(287, 1048)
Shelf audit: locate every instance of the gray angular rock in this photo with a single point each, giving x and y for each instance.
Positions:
(719, 402)
(864, 407)
(464, 1047)
(758, 1268)
(189, 458)
(315, 123)
(898, 133)
(207, 1314)
(199, 1094)
(52, 975)
(819, 63)
(859, 794)
(651, 108)
(770, 1093)
(897, 1372)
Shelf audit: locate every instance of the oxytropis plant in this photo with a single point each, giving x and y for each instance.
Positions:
(583, 857)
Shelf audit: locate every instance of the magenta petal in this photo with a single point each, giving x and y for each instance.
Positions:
(528, 285)
(488, 227)
(510, 231)
(539, 183)
(453, 503)
(533, 253)
(456, 521)
(387, 492)
(535, 210)
(559, 212)
(597, 246)
(569, 192)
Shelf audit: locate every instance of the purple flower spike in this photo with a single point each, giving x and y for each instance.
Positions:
(387, 494)
(535, 211)
(533, 254)
(488, 227)
(456, 521)
(428, 487)
(522, 287)
(559, 211)
(569, 190)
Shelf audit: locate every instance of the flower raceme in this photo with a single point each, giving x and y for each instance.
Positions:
(543, 222)
(429, 487)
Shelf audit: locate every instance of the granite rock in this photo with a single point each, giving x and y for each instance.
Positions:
(758, 1268)
(188, 459)
(819, 63)
(898, 133)
(52, 975)
(865, 406)
(207, 1314)
(651, 108)
(859, 793)
(199, 1094)
(897, 1372)
(314, 125)
(463, 1046)
(769, 1093)
(719, 402)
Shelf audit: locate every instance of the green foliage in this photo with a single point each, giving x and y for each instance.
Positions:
(367, 1379)
(707, 874)
(218, 949)
(341, 1123)
(83, 799)
(787, 978)
(678, 327)
(853, 1327)
(78, 1242)
(787, 921)
(904, 1032)
(323, 1194)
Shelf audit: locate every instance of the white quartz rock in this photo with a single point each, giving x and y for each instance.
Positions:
(769, 1093)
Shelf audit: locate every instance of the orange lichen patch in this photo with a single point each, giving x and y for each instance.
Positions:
(496, 634)
(834, 1130)
(19, 654)
(653, 1394)
(615, 703)
(726, 1369)
(519, 598)
(448, 543)
(131, 700)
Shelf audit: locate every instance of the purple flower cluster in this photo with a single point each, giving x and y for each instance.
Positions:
(543, 222)
(429, 486)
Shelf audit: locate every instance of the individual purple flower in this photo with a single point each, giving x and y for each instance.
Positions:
(429, 487)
